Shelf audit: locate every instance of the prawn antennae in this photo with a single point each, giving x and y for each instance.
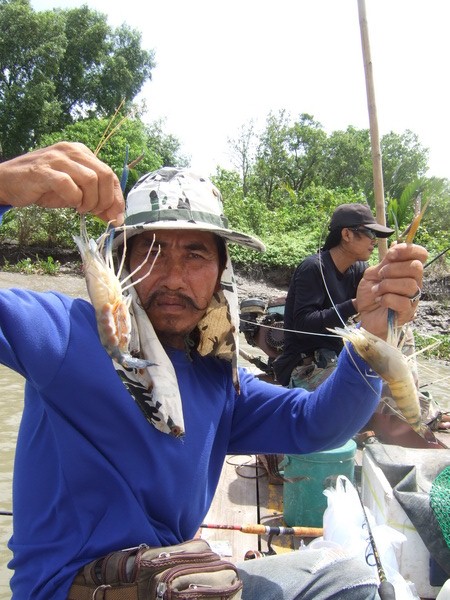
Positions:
(108, 132)
(106, 293)
(140, 267)
(105, 289)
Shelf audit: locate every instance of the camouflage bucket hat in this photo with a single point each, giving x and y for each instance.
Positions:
(174, 198)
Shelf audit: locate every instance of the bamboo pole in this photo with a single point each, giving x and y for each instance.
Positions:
(373, 121)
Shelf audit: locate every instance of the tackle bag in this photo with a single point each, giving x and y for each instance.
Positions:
(190, 570)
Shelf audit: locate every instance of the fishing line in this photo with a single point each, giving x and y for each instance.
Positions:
(291, 330)
(322, 272)
(250, 464)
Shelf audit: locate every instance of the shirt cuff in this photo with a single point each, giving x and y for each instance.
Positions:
(3, 210)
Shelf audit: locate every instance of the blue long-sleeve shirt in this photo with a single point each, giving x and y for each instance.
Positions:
(92, 475)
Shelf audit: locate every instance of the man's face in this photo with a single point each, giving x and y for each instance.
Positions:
(182, 281)
(362, 242)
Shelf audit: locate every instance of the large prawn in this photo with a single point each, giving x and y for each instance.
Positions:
(392, 366)
(106, 292)
(105, 287)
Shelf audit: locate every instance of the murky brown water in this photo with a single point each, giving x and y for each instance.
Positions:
(11, 386)
(70, 285)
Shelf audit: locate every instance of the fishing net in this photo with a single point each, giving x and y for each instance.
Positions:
(440, 502)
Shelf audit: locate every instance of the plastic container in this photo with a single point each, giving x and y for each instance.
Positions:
(304, 501)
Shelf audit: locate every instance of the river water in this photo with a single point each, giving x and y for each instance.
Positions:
(435, 375)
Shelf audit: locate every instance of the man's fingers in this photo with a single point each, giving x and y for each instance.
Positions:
(404, 252)
(77, 179)
(111, 202)
(403, 307)
(65, 175)
(411, 268)
(405, 287)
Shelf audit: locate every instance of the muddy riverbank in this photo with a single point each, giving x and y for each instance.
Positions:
(433, 315)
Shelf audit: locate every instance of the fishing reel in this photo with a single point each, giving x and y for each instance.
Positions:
(253, 554)
(262, 325)
(251, 312)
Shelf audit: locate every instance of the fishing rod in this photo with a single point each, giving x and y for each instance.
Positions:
(256, 528)
(260, 529)
(386, 590)
(436, 257)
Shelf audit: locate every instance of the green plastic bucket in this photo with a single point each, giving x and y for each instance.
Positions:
(304, 501)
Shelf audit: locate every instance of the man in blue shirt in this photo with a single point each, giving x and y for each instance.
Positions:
(108, 459)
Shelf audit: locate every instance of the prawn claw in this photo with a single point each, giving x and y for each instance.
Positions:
(130, 362)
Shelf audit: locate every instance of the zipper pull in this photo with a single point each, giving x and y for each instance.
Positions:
(161, 589)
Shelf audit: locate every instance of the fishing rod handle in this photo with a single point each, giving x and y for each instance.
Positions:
(259, 529)
(386, 591)
(297, 531)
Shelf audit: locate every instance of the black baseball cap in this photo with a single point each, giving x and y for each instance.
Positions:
(352, 215)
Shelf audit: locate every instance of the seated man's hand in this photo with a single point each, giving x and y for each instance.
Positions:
(395, 283)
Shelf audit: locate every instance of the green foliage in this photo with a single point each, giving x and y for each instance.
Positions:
(287, 250)
(32, 225)
(297, 176)
(291, 230)
(289, 157)
(284, 251)
(57, 67)
(401, 211)
(131, 133)
(404, 160)
(436, 221)
(440, 351)
(31, 47)
(38, 267)
(348, 161)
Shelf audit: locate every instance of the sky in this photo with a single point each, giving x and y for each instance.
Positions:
(222, 64)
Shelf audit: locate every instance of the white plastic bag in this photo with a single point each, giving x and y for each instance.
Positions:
(344, 523)
(343, 519)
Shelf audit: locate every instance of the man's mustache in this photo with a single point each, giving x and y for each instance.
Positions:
(155, 296)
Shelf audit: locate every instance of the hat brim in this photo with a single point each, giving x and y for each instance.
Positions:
(380, 230)
(235, 237)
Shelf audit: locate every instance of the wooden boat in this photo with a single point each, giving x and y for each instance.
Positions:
(248, 495)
